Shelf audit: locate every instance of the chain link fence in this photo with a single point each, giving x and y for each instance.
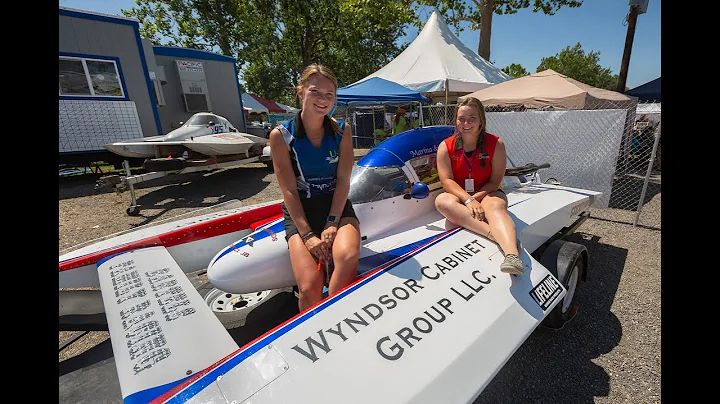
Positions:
(609, 147)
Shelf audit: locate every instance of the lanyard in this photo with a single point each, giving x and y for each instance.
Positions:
(470, 162)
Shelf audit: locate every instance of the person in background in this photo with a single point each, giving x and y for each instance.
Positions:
(471, 166)
(415, 117)
(313, 158)
(399, 122)
(379, 135)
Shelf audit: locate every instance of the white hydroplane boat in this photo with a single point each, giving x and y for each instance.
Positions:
(205, 133)
(430, 303)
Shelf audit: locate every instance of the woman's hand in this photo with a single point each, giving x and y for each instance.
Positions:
(318, 248)
(328, 235)
(476, 210)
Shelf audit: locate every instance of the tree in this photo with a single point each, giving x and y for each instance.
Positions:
(455, 12)
(585, 68)
(273, 40)
(515, 70)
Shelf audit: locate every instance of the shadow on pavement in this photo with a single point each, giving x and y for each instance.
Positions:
(627, 189)
(185, 191)
(557, 366)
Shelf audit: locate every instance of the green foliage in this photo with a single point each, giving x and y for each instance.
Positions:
(515, 70)
(585, 68)
(273, 40)
(456, 11)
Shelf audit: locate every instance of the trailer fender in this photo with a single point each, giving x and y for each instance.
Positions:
(568, 262)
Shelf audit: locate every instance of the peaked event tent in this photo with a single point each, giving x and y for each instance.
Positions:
(377, 90)
(250, 104)
(438, 64)
(549, 88)
(255, 103)
(271, 106)
(648, 92)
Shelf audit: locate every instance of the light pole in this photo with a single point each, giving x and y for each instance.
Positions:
(637, 7)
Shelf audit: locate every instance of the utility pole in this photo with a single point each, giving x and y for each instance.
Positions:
(632, 20)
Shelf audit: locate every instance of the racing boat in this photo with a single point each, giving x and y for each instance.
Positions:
(204, 134)
(429, 296)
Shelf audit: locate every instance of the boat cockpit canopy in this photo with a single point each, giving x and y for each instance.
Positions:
(368, 184)
(202, 120)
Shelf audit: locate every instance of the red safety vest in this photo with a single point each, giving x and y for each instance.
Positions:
(463, 167)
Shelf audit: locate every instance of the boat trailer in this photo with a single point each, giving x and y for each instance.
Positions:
(172, 166)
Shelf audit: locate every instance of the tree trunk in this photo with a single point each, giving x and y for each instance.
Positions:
(485, 28)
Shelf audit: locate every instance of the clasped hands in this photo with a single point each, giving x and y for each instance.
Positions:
(476, 210)
(321, 247)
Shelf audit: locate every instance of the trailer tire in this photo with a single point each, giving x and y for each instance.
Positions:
(567, 261)
(233, 310)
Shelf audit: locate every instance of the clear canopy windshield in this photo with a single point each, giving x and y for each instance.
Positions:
(369, 184)
(201, 120)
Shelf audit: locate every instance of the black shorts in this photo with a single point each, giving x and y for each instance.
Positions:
(316, 211)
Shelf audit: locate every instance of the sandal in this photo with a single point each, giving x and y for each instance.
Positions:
(512, 265)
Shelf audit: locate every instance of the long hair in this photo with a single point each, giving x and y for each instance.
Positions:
(475, 103)
(305, 76)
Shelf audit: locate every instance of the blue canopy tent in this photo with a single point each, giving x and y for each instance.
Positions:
(378, 91)
(648, 92)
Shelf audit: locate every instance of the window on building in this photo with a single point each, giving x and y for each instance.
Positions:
(73, 80)
(159, 95)
(89, 77)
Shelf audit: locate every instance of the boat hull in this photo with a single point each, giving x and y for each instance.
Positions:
(260, 260)
(131, 150)
(444, 308)
(218, 144)
(192, 242)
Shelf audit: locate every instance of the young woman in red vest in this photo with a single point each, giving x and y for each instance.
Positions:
(471, 166)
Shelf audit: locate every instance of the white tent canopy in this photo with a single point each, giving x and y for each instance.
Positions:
(437, 61)
(253, 105)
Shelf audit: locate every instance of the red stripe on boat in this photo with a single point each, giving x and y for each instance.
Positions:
(198, 231)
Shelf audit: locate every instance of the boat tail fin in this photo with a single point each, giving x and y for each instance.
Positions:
(162, 331)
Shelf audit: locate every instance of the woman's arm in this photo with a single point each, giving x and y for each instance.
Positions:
(345, 164)
(447, 180)
(499, 162)
(286, 180)
(342, 186)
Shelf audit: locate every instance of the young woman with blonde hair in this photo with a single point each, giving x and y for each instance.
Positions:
(471, 166)
(313, 158)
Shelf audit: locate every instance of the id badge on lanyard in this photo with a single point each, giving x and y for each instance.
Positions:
(470, 182)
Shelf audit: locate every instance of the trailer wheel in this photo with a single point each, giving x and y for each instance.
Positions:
(233, 309)
(133, 210)
(567, 261)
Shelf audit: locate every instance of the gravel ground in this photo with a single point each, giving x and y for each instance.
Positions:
(610, 352)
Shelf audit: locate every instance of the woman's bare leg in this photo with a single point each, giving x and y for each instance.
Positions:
(346, 254)
(455, 212)
(309, 280)
(501, 224)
